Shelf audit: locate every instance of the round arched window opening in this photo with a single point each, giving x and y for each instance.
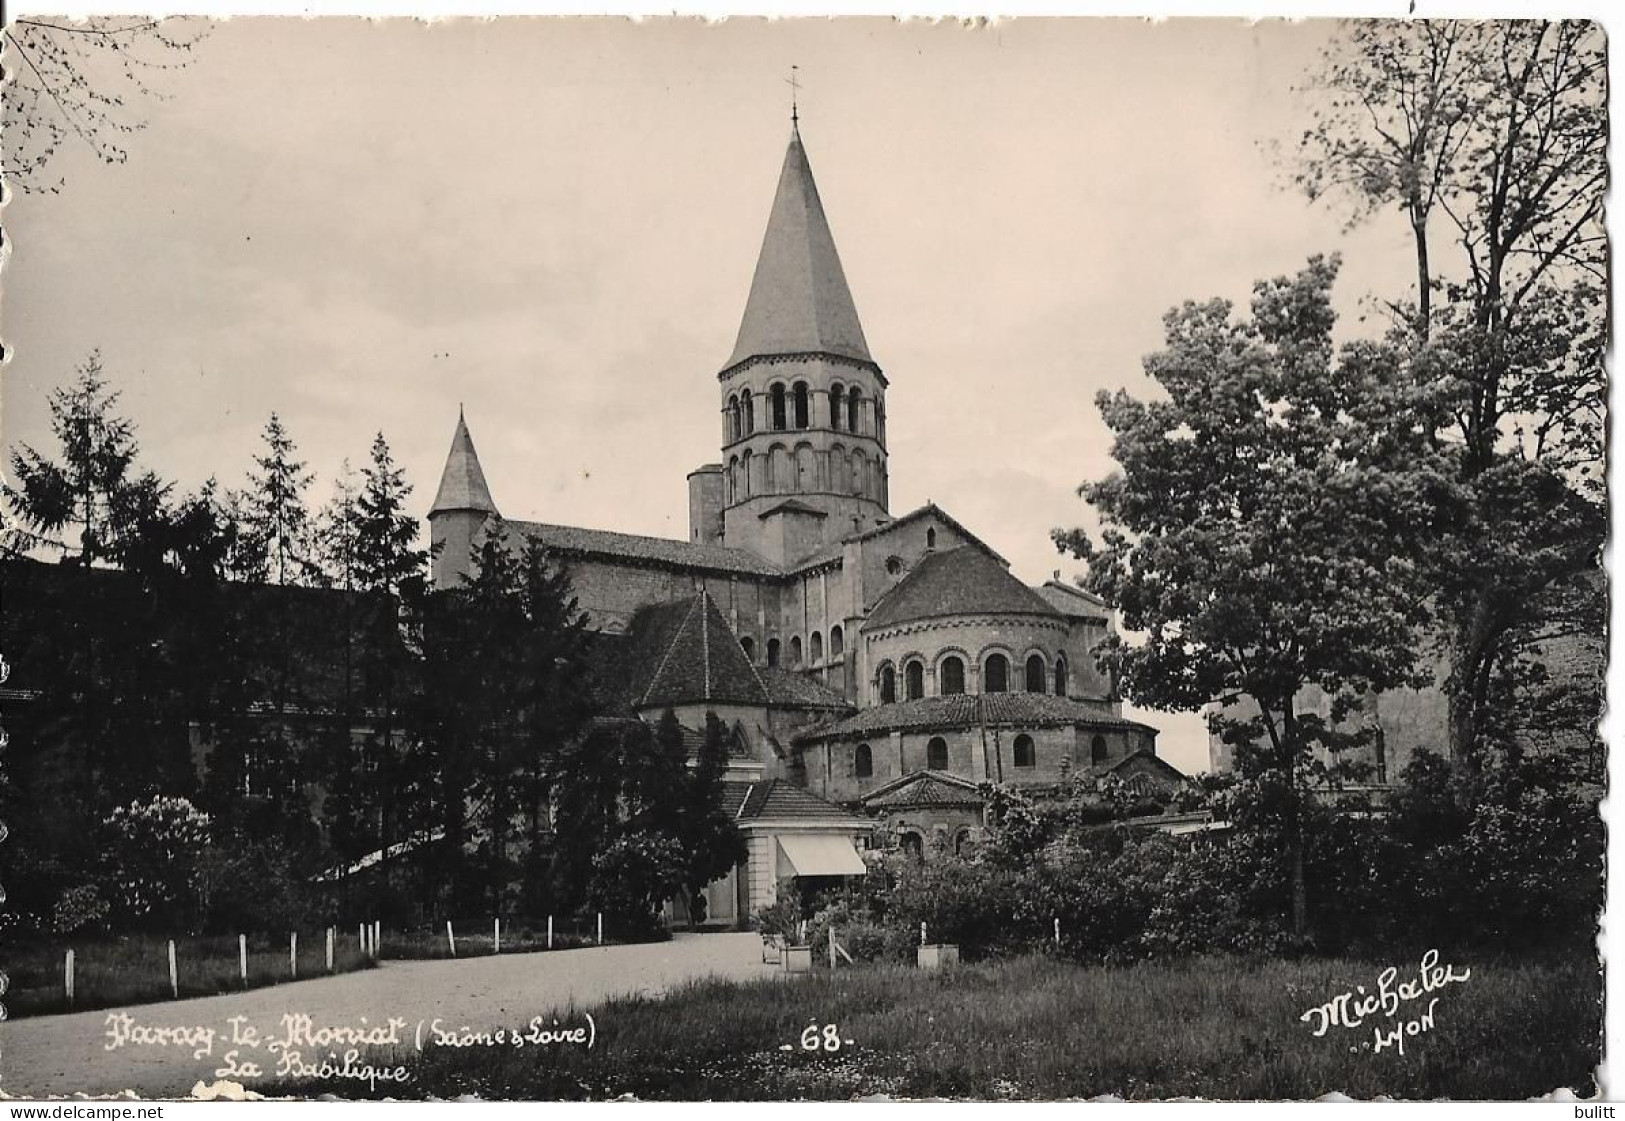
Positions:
(888, 685)
(1035, 673)
(863, 761)
(1097, 750)
(951, 676)
(996, 674)
(1025, 754)
(914, 675)
(936, 754)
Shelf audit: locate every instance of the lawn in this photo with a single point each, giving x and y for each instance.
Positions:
(135, 970)
(1037, 1028)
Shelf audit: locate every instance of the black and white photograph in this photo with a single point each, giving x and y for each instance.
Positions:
(849, 559)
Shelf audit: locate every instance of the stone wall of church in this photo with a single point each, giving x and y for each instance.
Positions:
(972, 639)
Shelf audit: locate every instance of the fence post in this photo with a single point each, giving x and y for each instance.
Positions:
(174, 976)
(451, 942)
(600, 928)
(923, 942)
(242, 958)
(550, 932)
(832, 947)
(293, 953)
(496, 936)
(330, 949)
(67, 974)
(377, 933)
(1057, 932)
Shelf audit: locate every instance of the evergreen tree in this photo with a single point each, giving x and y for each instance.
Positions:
(275, 501)
(88, 501)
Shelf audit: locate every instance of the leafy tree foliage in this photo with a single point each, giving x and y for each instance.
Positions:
(83, 82)
(1266, 527)
(1496, 133)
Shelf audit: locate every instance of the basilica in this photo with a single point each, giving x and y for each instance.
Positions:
(874, 669)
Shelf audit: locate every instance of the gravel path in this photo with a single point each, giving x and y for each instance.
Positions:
(65, 1054)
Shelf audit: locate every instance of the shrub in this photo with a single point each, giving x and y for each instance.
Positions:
(80, 910)
(153, 859)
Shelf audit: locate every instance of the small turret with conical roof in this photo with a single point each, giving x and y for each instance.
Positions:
(461, 507)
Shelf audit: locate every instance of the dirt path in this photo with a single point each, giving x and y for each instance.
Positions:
(65, 1054)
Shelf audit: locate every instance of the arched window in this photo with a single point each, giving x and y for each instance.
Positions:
(815, 648)
(744, 474)
(733, 418)
(863, 761)
(1097, 750)
(880, 420)
(951, 676)
(962, 842)
(931, 538)
(779, 422)
(914, 683)
(837, 469)
(936, 754)
(769, 471)
(913, 844)
(888, 684)
(795, 650)
(860, 469)
(733, 480)
(837, 402)
(852, 414)
(1035, 673)
(802, 417)
(748, 645)
(772, 651)
(1060, 677)
(996, 674)
(837, 641)
(750, 412)
(1024, 751)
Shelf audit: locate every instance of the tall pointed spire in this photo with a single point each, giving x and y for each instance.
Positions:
(462, 483)
(799, 302)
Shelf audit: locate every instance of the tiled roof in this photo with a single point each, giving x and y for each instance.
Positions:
(777, 800)
(1073, 601)
(789, 687)
(924, 789)
(799, 301)
(1140, 760)
(702, 661)
(462, 482)
(962, 581)
(1028, 710)
(574, 540)
(793, 506)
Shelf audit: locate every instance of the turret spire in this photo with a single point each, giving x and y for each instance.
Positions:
(462, 483)
(799, 302)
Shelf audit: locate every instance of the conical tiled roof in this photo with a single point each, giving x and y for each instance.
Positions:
(799, 301)
(462, 483)
(703, 661)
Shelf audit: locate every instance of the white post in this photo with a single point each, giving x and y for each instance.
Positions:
(451, 942)
(550, 932)
(67, 975)
(242, 958)
(361, 936)
(174, 976)
(496, 936)
(330, 949)
(293, 953)
(377, 937)
(600, 928)
(923, 942)
(832, 947)
(1057, 932)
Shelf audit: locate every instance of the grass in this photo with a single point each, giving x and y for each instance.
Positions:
(135, 970)
(1037, 1028)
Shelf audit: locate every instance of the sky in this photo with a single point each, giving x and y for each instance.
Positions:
(362, 225)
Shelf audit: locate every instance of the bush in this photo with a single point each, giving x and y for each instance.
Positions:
(80, 910)
(153, 859)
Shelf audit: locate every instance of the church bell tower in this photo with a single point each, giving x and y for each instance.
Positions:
(803, 402)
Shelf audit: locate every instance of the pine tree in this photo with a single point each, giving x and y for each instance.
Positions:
(275, 507)
(95, 493)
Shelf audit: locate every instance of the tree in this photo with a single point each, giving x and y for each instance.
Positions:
(83, 82)
(275, 502)
(712, 843)
(1497, 132)
(95, 492)
(1265, 528)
